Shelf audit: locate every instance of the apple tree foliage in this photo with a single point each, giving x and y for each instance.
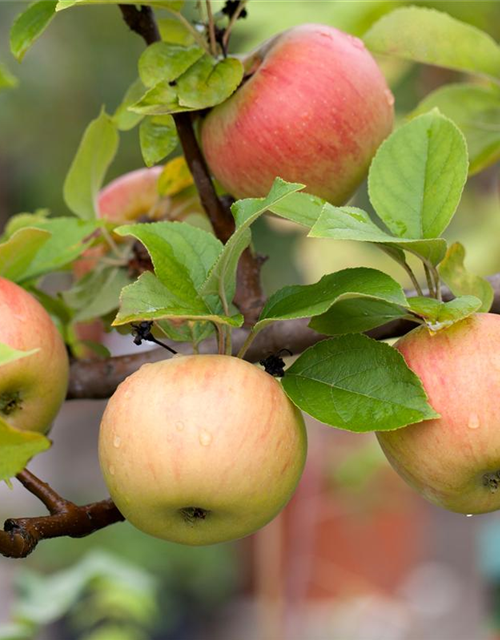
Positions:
(349, 380)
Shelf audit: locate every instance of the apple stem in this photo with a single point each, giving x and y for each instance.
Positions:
(20, 536)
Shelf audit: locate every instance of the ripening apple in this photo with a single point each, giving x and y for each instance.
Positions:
(32, 388)
(454, 460)
(313, 109)
(201, 449)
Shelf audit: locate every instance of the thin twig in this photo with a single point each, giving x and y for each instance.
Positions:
(232, 22)
(211, 28)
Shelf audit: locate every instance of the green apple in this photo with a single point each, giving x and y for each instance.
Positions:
(32, 388)
(454, 461)
(201, 449)
(314, 108)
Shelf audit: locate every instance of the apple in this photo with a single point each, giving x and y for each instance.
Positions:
(201, 449)
(454, 460)
(32, 388)
(313, 109)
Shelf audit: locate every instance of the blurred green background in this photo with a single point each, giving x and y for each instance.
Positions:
(121, 585)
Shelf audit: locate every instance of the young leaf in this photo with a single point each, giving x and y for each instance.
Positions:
(357, 315)
(175, 31)
(434, 37)
(29, 26)
(209, 82)
(302, 208)
(305, 301)
(69, 238)
(148, 299)
(350, 223)
(8, 354)
(476, 110)
(440, 315)
(417, 176)
(175, 177)
(353, 382)
(222, 277)
(97, 293)
(177, 245)
(158, 137)
(164, 61)
(17, 253)
(86, 174)
(17, 448)
(7, 80)
(452, 270)
(159, 100)
(123, 118)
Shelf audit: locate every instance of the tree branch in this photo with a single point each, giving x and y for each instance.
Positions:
(99, 379)
(249, 297)
(21, 535)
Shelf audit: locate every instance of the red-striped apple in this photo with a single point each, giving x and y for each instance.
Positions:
(314, 109)
(201, 449)
(32, 388)
(454, 460)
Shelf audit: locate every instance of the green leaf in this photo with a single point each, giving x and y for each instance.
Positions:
(222, 277)
(174, 245)
(29, 26)
(440, 315)
(69, 239)
(350, 223)
(164, 61)
(86, 174)
(159, 100)
(302, 208)
(174, 31)
(158, 137)
(22, 220)
(17, 253)
(169, 5)
(476, 110)
(17, 448)
(209, 82)
(148, 299)
(452, 270)
(357, 315)
(417, 176)
(305, 301)
(123, 118)
(8, 354)
(433, 37)
(353, 382)
(7, 80)
(97, 293)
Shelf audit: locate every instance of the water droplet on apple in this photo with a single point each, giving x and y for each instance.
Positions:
(179, 425)
(389, 97)
(117, 442)
(205, 438)
(473, 421)
(112, 470)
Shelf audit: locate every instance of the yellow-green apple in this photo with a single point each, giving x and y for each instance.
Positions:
(454, 460)
(32, 388)
(313, 109)
(201, 449)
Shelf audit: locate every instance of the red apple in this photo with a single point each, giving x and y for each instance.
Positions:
(314, 110)
(32, 388)
(201, 449)
(454, 461)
